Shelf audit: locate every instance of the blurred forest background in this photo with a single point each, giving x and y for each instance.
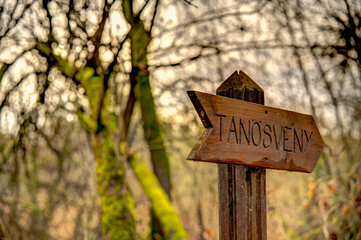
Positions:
(95, 122)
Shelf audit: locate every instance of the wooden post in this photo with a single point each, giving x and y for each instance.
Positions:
(242, 189)
(274, 138)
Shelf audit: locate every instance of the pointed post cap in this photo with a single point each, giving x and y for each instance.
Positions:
(240, 86)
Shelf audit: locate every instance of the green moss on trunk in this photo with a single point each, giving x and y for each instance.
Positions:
(116, 200)
(153, 132)
(140, 39)
(118, 218)
(171, 223)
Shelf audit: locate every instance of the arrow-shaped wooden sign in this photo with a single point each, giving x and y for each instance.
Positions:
(251, 134)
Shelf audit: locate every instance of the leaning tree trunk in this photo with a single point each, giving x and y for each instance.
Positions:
(169, 220)
(140, 39)
(141, 88)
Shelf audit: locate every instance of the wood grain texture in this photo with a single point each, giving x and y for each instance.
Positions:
(242, 189)
(244, 137)
(251, 134)
(242, 202)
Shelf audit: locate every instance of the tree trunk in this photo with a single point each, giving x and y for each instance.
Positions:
(140, 39)
(161, 207)
(139, 76)
(116, 200)
(117, 206)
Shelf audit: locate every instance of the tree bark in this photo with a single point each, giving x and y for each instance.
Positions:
(161, 207)
(153, 135)
(140, 39)
(116, 200)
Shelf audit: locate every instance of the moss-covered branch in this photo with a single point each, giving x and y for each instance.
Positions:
(153, 132)
(139, 77)
(140, 39)
(170, 222)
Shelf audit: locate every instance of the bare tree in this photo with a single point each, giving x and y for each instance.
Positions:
(100, 63)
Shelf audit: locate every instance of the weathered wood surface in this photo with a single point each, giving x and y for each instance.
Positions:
(242, 189)
(242, 202)
(257, 137)
(251, 134)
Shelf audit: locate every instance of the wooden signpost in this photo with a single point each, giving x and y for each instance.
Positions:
(244, 138)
